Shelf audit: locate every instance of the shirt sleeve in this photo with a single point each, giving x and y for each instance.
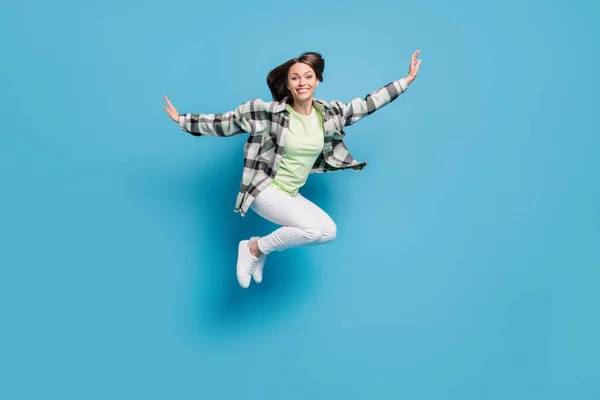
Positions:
(224, 124)
(359, 108)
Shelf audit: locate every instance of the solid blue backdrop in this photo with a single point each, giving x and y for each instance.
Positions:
(466, 262)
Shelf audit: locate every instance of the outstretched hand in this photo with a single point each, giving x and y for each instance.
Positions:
(173, 114)
(413, 70)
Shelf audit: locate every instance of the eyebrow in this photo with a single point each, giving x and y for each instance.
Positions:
(307, 72)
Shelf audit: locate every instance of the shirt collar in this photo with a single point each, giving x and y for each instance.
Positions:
(320, 105)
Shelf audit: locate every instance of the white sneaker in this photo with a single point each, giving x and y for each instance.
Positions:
(245, 264)
(258, 269)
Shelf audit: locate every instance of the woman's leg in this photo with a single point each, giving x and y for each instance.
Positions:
(329, 227)
(302, 222)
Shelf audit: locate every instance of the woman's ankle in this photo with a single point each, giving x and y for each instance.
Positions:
(254, 250)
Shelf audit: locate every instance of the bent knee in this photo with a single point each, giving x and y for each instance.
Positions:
(324, 233)
(314, 231)
(329, 232)
(320, 231)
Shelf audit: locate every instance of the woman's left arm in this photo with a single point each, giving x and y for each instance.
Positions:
(359, 108)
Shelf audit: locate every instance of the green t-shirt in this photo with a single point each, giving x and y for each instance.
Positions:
(303, 145)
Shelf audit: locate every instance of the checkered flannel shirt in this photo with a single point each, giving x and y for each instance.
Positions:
(267, 125)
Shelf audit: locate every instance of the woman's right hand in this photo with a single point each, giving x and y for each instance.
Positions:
(173, 114)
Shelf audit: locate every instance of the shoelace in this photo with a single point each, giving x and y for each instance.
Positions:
(261, 266)
(251, 265)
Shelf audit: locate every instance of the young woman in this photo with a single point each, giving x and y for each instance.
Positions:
(289, 138)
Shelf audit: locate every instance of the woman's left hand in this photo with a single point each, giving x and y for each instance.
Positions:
(413, 70)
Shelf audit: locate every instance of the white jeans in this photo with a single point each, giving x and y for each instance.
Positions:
(302, 222)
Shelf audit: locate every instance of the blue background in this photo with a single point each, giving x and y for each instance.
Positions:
(466, 262)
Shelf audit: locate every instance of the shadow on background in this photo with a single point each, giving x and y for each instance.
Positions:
(222, 308)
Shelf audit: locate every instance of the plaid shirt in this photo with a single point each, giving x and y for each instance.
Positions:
(268, 122)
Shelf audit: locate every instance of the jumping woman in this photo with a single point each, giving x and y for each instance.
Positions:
(289, 138)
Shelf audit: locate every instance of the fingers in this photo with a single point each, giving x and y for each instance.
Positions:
(414, 62)
(169, 108)
(168, 102)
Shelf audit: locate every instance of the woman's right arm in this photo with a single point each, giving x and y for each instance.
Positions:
(225, 124)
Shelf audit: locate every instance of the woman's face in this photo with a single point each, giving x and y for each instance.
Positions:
(302, 82)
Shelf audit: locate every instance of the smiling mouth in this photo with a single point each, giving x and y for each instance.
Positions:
(301, 91)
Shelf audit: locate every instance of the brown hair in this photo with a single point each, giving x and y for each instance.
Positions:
(277, 78)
